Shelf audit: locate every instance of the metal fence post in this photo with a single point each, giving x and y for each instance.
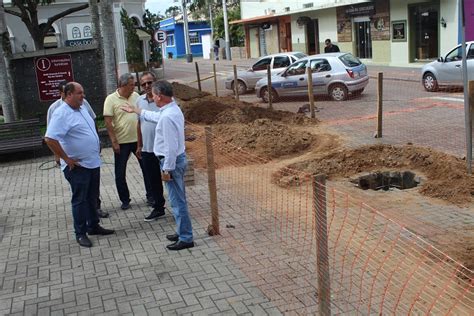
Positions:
(269, 85)
(215, 78)
(198, 76)
(213, 229)
(379, 105)
(322, 252)
(236, 84)
(310, 91)
(469, 142)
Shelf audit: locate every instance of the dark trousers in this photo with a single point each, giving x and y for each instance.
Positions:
(151, 167)
(121, 172)
(85, 189)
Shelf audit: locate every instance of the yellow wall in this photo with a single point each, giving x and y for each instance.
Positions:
(381, 52)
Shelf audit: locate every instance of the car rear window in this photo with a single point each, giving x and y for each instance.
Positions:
(350, 60)
(299, 55)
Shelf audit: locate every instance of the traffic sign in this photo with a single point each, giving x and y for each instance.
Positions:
(159, 36)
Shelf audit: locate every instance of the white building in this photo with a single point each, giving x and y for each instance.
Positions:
(75, 29)
(391, 32)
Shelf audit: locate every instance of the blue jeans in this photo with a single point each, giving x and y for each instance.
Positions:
(151, 168)
(121, 172)
(177, 197)
(85, 190)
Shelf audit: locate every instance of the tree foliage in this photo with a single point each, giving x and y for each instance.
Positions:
(133, 52)
(151, 22)
(28, 13)
(172, 11)
(236, 31)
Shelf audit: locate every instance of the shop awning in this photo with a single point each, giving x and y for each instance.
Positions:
(50, 41)
(322, 6)
(257, 19)
(143, 36)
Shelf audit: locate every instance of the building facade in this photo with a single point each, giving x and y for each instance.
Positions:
(175, 45)
(389, 32)
(76, 29)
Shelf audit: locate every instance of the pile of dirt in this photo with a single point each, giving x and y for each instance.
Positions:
(446, 175)
(264, 138)
(186, 93)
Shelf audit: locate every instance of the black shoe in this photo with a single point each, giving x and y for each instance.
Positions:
(150, 201)
(154, 215)
(84, 241)
(99, 230)
(180, 245)
(102, 214)
(172, 237)
(125, 205)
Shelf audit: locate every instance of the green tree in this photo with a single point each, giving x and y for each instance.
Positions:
(236, 32)
(172, 11)
(151, 22)
(134, 54)
(28, 13)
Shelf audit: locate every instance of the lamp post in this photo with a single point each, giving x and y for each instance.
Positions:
(226, 30)
(189, 54)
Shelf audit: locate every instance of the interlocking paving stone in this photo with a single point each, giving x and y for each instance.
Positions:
(43, 271)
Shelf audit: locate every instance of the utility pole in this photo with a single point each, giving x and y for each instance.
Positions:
(189, 54)
(226, 29)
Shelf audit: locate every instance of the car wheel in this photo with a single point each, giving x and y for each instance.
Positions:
(429, 82)
(265, 95)
(338, 92)
(241, 87)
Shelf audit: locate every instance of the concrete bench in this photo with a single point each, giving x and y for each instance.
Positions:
(20, 136)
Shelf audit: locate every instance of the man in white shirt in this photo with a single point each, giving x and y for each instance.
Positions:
(170, 150)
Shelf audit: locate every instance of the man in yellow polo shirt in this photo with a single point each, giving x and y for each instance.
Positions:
(122, 130)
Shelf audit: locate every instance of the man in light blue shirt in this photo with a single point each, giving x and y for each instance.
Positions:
(169, 148)
(72, 136)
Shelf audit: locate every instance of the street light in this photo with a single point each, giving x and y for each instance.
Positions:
(189, 54)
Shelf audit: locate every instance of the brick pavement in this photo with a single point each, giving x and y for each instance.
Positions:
(45, 272)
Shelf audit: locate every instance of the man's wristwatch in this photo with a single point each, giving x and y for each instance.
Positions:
(166, 172)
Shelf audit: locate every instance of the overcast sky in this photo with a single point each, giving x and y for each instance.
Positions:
(156, 6)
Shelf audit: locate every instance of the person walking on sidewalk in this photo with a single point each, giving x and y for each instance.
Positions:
(71, 136)
(170, 150)
(122, 130)
(146, 139)
(330, 47)
(87, 106)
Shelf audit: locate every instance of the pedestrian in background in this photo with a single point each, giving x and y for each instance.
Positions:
(71, 136)
(170, 150)
(330, 47)
(122, 130)
(146, 140)
(216, 49)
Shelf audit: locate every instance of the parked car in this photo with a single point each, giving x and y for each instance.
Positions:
(333, 74)
(247, 79)
(447, 70)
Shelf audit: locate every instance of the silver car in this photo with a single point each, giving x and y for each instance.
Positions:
(447, 70)
(333, 74)
(247, 79)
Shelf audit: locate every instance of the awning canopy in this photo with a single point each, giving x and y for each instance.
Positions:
(143, 36)
(257, 19)
(323, 6)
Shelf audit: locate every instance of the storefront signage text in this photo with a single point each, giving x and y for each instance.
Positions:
(367, 9)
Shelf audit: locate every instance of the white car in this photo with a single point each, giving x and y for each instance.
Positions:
(247, 79)
(447, 70)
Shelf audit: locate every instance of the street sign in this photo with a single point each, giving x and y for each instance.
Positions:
(159, 36)
(50, 71)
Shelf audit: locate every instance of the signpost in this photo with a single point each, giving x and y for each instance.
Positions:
(160, 37)
(50, 71)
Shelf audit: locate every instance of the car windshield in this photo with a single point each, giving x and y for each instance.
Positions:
(349, 60)
(299, 55)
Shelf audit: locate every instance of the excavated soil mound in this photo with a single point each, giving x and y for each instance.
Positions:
(184, 92)
(214, 110)
(264, 138)
(446, 175)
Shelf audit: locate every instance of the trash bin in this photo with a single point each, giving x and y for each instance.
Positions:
(170, 55)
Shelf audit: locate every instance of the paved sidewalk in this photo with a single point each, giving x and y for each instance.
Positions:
(45, 272)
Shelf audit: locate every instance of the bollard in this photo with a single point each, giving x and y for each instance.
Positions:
(310, 91)
(215, 78)
(236, 84)
(469, 126)
(198, 77)
(269, 79)
(379, 105)
(322, 251)
(213, 229)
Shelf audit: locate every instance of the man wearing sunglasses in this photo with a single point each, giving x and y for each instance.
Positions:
(146, 139)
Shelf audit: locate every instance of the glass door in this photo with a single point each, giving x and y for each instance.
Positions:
(424, 22)
(363, 39)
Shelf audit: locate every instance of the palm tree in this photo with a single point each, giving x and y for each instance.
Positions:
(108, 45)
(6, 99)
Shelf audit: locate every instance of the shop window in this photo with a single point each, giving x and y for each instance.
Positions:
(170, 40)
(194, 38)
(281, 61)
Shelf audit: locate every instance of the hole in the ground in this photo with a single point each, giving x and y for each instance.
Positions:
(387, 179)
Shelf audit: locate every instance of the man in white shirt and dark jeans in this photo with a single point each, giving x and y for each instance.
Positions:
(169, 148)
(146, 139)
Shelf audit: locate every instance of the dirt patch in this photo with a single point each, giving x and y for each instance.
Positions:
(186, 93)
(446, 175)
